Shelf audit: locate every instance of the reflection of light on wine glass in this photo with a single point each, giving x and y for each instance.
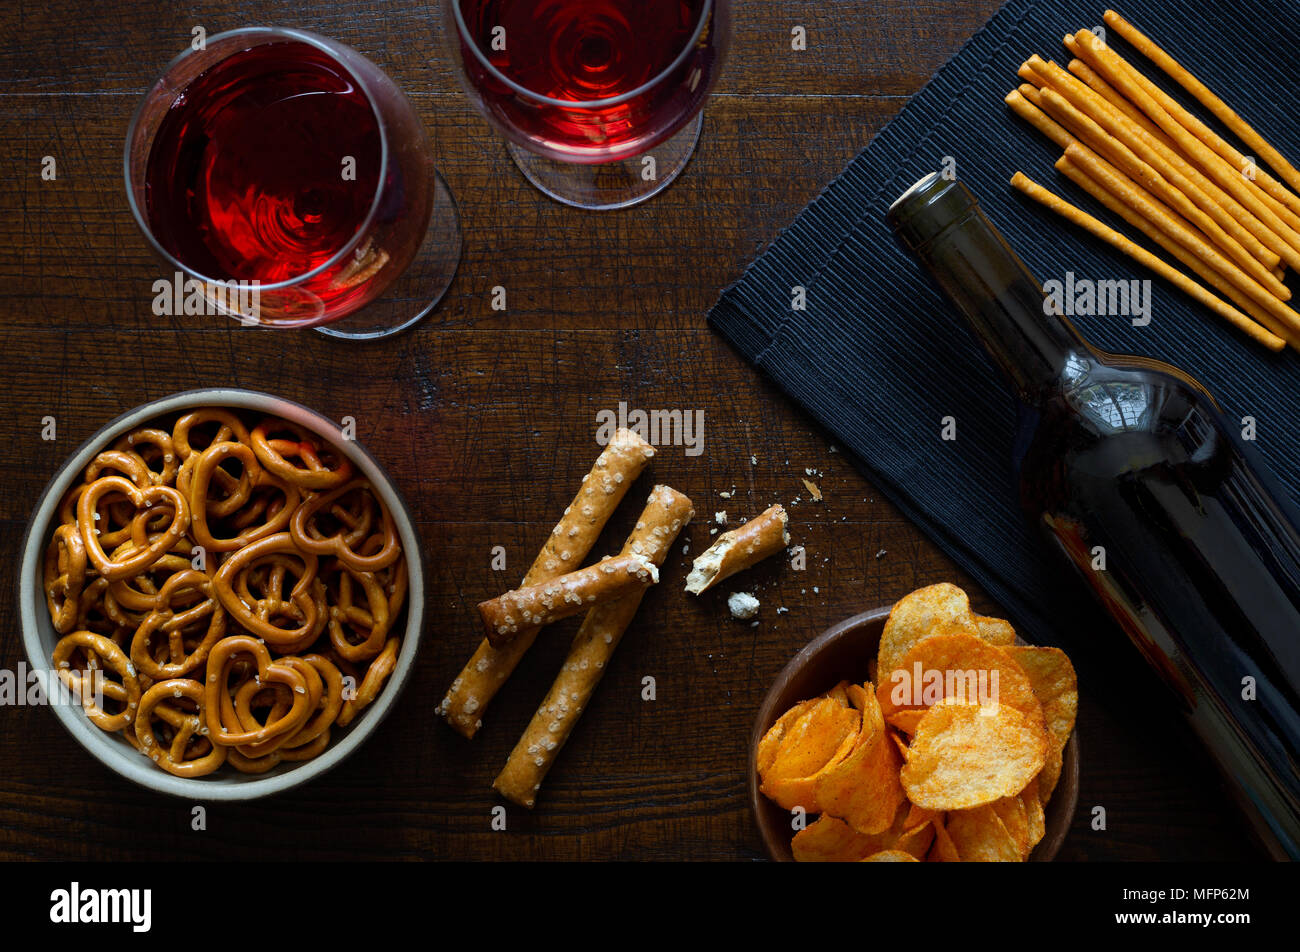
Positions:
(284, 161)
(599, 99)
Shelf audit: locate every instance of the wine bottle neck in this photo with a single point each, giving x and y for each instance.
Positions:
(940, 222)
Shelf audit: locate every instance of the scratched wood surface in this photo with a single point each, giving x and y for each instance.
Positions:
(486, 420)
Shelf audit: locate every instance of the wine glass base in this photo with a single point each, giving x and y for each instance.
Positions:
(420, 287)
(610, 185)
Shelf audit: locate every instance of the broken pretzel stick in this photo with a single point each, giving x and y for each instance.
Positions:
(536, 606)
(570, 541)
(739, 549)
(666, 512)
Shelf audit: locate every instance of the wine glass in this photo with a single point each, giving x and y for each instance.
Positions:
(290, 181)
(599, 99)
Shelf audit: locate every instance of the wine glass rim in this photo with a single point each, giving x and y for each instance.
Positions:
(330, 48)
(463, 29)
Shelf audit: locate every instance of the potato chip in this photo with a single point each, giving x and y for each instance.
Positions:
(980, 836)
(840, 693)
(1034, 815)
(918, 816)
(1054, 682)
(890, 856)
(943, 850)
(1011, 811)
(831, 841)
(771, 742)
(917, 841)
(863, 789)
(995, 631)
(960, 665)
(1050, 773)
(906, 719)
(822, 737)
(916, 616)
(965, 755)
(900, 744)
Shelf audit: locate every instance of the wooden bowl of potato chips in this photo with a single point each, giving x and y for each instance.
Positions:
(965, 753)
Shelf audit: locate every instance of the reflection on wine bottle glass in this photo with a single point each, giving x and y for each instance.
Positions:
(289, 178)
(600, 99)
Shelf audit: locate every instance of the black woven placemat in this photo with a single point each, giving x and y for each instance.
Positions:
(879, 358)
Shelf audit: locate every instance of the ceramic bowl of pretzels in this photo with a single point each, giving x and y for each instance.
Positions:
(224, 594)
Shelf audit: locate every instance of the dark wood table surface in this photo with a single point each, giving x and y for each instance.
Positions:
(486, 419)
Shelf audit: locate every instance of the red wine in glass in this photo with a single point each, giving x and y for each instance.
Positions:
(246, 176)
(280, 159)
(589, 82)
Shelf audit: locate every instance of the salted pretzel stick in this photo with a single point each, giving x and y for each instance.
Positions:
(1208, 275)
(1201, 93)
(665, 513)
(766, 534)
(1160, 215)
(533, 606)
(1271, 192)
(1238, 222)
(1092, 135)
(1115, 239)
(1101, 58)
(602, 490)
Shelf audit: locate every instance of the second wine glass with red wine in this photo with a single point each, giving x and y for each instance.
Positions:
(600, 99)
(290, 180)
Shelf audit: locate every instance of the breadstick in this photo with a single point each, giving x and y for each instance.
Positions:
(1206, 98)
(666, 512)
(1019, 101)
(1154, 211)
(1123, 158)
(1208, 275)
(570, 541)
(1139, 254)
(1101, 58)
(1108, 92)
(739, 549)
(1249, 231)
(536, 606)
(1271, 192)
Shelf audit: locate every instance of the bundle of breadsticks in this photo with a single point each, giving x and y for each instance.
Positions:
(1150, 161)
(610, 591)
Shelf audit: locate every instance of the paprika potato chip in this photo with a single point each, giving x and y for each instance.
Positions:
(995, 631)
(891, 856)
(906, 719)
(1034, 815)
(1011, 811)
(915, 616)
(1050, 773)
(980, 836)
(863, 789)
(960, 665)
(966, 755)
(831, 841)
(821, 737)
(771, 742)
(1055, 684)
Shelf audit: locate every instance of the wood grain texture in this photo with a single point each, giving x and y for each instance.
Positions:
(486, 420)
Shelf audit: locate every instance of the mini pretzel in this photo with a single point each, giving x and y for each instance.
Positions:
(238, 712)
(142, 558)
(160, 440)
(220, 661)
(173, 758)
(128, 692)
(379, 671)
(276, 453)
(344, 615)
(257, 617)
(208, 463)
(229, 428)
(547, 602)
(331, 705)
(65, 577)
(172, 623)
(338, 545)
(739, 549)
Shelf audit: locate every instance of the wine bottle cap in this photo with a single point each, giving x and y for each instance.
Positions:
(929, 208)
